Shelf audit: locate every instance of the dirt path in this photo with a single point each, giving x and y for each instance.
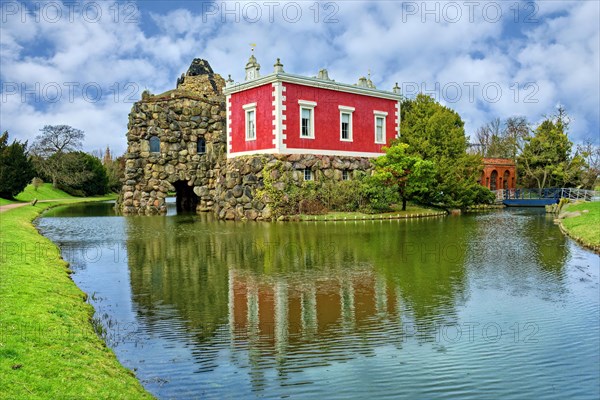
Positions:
(7, 207)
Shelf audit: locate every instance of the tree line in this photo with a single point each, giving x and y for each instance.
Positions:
(544, 155)
(56, 156)
(432, 162)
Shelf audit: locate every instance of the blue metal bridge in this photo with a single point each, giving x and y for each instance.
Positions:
(542, 197)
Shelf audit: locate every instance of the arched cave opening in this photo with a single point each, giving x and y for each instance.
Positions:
(186, 199)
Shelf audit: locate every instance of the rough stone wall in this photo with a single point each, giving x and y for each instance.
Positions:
(207, 181)
(179, 118)
(242, 178)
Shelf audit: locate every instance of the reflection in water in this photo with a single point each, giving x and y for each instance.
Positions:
(425, 308)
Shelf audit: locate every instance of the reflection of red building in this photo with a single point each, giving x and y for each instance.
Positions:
(276, 309)
(499, 173)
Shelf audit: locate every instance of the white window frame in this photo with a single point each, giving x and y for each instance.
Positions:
(345, 175)
(311, 176)
(382, 115)
(349, 111)
(249, 108)
(307, 105)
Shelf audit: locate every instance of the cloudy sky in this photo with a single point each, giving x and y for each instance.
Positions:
(84, 63)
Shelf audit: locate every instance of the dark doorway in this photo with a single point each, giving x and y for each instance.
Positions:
(186, 200)
(494, 180)
(506, 179)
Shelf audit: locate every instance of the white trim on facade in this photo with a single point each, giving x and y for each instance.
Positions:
(317, 152)
(310, 106)
(277, 117)
(308, 174)
(252, 152)
(250, 109)
(332, 153)
(380, 115)
(346, 111)
(307, 103)
(228, 123)
(312, 82)
(397, 120)
(283, 135)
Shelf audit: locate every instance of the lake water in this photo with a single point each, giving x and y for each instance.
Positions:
(491, 305)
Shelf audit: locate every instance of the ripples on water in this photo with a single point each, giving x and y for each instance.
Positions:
(496, 305)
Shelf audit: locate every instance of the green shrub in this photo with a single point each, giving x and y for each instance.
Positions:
(377, 197)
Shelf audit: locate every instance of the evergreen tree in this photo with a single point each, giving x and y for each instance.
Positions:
(84, 175)
(436, 133)
(16, 169)
(546, 160)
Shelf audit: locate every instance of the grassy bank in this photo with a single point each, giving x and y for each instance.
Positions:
(583, 227)
(44, 192)
(411, 212)
(48, 347)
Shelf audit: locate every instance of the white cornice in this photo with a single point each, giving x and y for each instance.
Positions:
(340, 153)
(313, 82)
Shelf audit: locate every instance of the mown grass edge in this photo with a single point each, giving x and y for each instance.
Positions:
(48, 347)
(583, 229)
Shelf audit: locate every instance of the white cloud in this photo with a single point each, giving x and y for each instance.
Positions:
(560, 55)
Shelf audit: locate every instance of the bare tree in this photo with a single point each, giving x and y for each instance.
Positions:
(591, 154)
(50, 146)
(59, 139)
(517, 130)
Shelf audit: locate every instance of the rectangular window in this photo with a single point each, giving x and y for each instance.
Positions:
(308, 174)
(345, 126)
(306, 123)
(250, 125)
(250, 121)
(346, 123)
(345, 175)
(307, 119)
(380, 117)
(201, 146)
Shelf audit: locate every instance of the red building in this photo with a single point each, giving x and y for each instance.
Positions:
(499, 173)
(283, 113)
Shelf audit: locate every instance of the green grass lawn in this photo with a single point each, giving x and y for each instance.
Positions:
(44, 192)
(411, 211)
(584, 228)
(48, 347)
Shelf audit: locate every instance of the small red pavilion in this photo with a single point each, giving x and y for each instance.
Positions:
(499, 173)
(283, 113)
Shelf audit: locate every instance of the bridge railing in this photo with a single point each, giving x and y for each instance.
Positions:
(547, 193)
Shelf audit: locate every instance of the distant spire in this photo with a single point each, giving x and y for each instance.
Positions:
(396, 89)
(252, 66)
(369, 81)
